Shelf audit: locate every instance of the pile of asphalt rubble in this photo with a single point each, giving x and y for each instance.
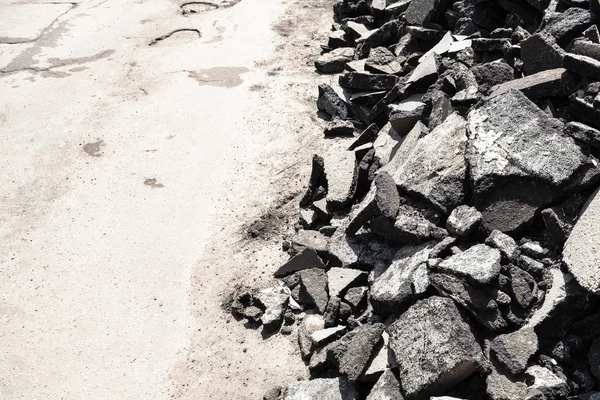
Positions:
(453, 249)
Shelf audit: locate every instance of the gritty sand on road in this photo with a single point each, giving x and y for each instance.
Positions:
(133, 161)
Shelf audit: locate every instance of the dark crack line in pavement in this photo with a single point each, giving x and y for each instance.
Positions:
(168, 35)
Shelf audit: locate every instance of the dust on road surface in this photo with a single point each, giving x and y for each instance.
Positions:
(138, 140)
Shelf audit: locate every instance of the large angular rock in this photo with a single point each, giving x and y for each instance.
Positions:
(322, 389)
(518, 159)
(435, 169)
(569, 24)
(341, 176)
(501, 387)
(547, 382)
(583, 133)
(339, 279)
(479, 263)
(540, 53)
(434, 347)
(330, 102)
(480, 304)
(313, 288)
(507, 245)
(335, 60)
(582, 250)
(493, 73)
(393, 289)
(356, 358)
(386, 388)
(556, 82)
(582, 65)
(420, 12)
(513, 350)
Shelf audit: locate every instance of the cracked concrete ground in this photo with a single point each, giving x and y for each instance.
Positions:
(128, 174)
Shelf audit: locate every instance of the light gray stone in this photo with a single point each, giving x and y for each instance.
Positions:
(547, 382)
(513, 350)
(463, 220)
(434, 347)
(335, 60)
(322, 389)
(393, 289)
(479, 263)
(313, 288)
(582, 249)
(501, 241)
(386, 388)
(341, 278)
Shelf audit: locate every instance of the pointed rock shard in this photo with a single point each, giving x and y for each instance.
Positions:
(479, 263)
(306, 259)
(434, 347)
(435, 169)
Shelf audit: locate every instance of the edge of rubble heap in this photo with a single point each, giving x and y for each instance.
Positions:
(453, 249)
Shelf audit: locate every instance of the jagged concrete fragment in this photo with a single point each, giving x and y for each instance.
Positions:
(463, 220)
(582, 250)
(322, 389)
(386, 388)
(357, 80)
(518, 158)
(420, 12)
(434, 347)
(513, 350)
(341, 176)
(330, 102)
(547, 382)
(556, 82)
(540, 52)
(404, 115)
(501, 241)
(582, 65)
(356, 357)
(583, 133)
(306, 259)
(339, 279)
(313, 288)
(393, 289)
(335, 60)
(435, 168)
(274, 302)
(479, 263)
(327, 335)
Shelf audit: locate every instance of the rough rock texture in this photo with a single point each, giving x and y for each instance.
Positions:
(386, 388)
(335, 60)
(480, 263)
(313, 287)
(306, 259)
(393, 289)
(434, 347)
(355, 360)
(323, 389)
(582, 249)
(339, 279)
(463, 220)
(512, 141)
(513, 350)
(435, 168)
